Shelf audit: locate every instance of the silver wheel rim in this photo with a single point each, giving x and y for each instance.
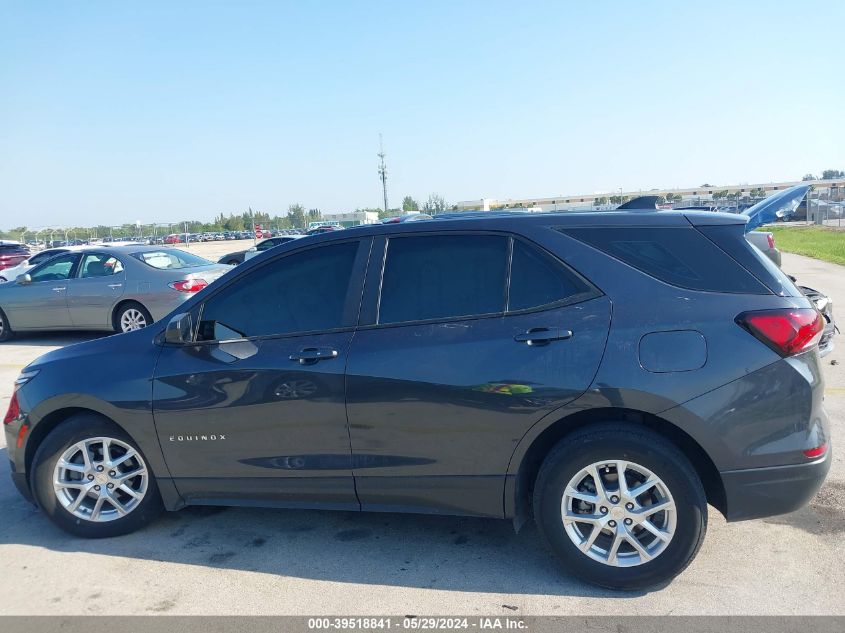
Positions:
(100, 479)
(132, 319)
(621, 521)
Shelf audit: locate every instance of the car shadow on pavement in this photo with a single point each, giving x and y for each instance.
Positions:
(418, 551)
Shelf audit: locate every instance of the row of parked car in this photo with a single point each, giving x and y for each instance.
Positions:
(182, 238)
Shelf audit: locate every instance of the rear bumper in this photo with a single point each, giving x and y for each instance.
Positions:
(762, 492)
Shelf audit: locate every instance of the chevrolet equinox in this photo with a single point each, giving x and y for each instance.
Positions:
(607, 375)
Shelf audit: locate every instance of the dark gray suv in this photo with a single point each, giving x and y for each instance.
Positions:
(607, 375)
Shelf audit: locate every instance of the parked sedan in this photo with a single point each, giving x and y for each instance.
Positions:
(103, 288)
(267, 245)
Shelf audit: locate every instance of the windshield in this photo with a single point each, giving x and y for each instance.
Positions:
(171, 259)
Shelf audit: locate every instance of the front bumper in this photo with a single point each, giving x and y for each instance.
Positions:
(760, 492)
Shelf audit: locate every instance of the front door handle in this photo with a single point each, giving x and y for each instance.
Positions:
(60, 289)
(542, 335)
(311, 355)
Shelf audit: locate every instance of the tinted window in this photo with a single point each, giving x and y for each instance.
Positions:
(99, 265)
(732, 240)
(537, 279)
(57, 269)
(678, 256)
(442, 276)
(302, 292)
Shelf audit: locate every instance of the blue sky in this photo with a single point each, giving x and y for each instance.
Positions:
(114, 112)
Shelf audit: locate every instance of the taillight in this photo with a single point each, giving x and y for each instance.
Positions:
(787, 331)
(14, 409)
(189, 285)
(771, 239)
(818, 451)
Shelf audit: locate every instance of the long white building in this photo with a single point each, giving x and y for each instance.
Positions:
(834, 187)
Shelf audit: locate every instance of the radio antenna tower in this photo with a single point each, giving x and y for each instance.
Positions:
(382, 170)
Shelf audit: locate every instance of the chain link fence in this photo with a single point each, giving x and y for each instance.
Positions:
(823, 206)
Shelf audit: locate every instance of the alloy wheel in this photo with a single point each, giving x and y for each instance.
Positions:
(100, 479)
(618, 513)
(132, 319)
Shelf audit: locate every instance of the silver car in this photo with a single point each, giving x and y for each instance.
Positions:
(103, 288)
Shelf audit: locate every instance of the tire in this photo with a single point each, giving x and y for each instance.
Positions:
(131, 316)
(79, 428)
(6, 332)
(642, 455)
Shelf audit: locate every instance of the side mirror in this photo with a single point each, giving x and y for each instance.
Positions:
(179, 330)
(24, 279)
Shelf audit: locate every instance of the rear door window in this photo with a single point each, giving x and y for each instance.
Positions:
(443, 276)
(99, 265)
(538, 279)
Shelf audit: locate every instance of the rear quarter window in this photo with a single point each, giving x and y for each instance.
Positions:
(678, 256)
(171, 259)
(734, 242)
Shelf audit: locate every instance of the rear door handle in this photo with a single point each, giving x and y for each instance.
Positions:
(115, 285)
(60, 289)
(542, 335)
(311, 355)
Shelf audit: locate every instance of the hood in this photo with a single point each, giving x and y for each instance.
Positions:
(120, 346)
(776, 206)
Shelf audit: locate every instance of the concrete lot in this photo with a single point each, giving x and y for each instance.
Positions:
(252, 561)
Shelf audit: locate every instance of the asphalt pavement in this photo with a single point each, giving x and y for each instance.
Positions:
(257, 561)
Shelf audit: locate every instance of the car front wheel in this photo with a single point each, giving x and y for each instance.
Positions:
(621, 507)
(92, 480)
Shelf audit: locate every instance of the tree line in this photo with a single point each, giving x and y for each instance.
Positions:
(297, 217)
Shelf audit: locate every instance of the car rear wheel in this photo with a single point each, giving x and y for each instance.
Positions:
(621, 507)
(92, 480)
(5, 328)
(132, 316)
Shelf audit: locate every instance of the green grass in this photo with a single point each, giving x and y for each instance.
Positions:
(812, 241)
